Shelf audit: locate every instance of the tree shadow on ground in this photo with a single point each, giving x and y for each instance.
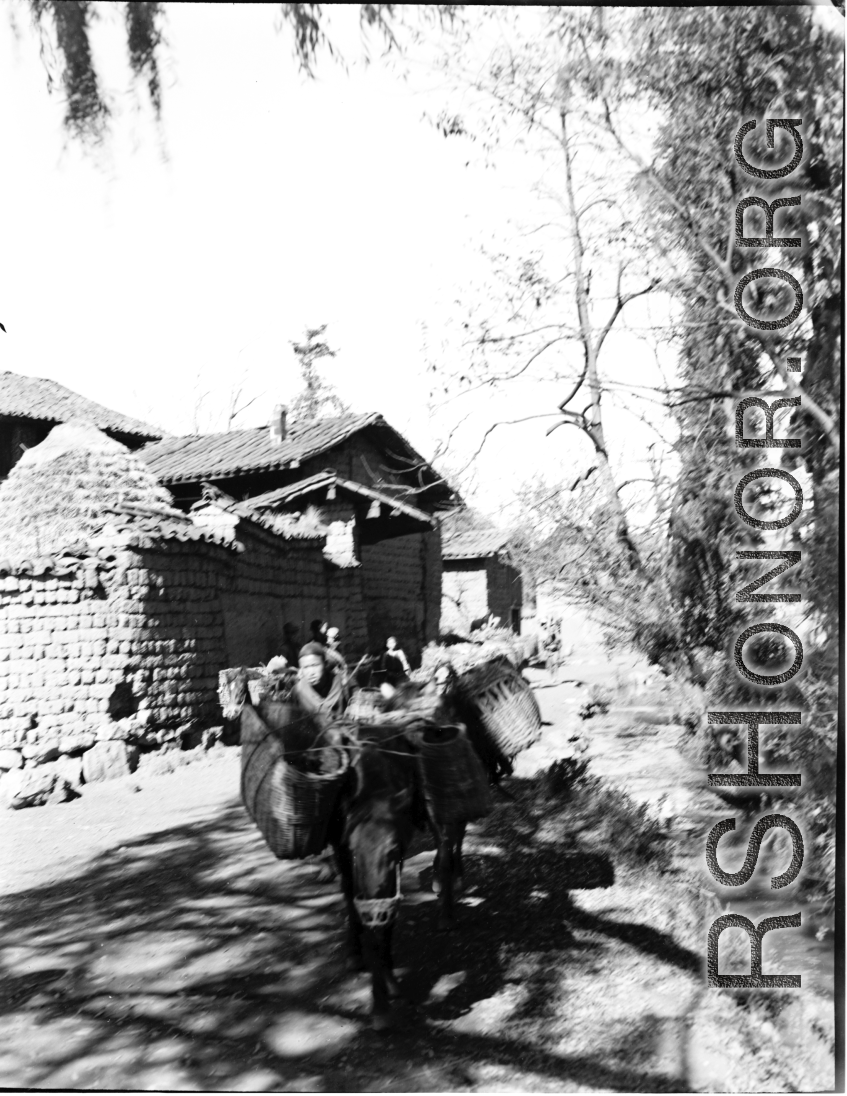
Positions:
(192, 959)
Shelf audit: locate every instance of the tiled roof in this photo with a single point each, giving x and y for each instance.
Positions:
(287, 526)
(324, 480)
(465, 535)
(39, 398)
(216, 456)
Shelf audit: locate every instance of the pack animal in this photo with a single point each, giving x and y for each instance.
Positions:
(377, 812)
(439, 702)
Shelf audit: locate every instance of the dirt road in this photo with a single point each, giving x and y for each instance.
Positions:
(150, 941)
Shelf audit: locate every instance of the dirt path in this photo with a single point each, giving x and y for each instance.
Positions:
(150, 941)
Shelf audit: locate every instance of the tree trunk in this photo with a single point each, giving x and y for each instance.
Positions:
(592, 419)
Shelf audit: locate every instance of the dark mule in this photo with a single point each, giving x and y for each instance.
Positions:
(378, 812)
(440, 703)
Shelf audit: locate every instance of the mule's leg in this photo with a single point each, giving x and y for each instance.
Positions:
(438, 860)
(382, 981)
(387, 959)
(458, 861)
(445, 873)
(355, 954)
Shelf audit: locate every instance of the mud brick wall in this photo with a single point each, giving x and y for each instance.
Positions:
(130, 646)
(172, 604)
(273, 582)
(138, 634)
(346, 609)
(402, 588)
(504, 593)
(475, 588)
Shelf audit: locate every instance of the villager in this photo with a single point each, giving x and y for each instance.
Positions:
(321, 687)
(394, 664)
(552, 647)
(333, 648)
(290, 644)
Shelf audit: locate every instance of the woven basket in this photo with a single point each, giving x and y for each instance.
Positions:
(506, 705)
(454, 782)
(291, 808)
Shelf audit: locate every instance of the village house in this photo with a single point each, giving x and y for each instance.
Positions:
(118, 610)
(378, 499)
(358, 472)
(31, 406)
(478, 580)
(256, 614)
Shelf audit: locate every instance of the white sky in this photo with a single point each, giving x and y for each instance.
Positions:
(148, 283)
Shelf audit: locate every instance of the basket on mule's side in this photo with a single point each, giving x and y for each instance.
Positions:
(291, 808)
(506, 704)
(455, 784)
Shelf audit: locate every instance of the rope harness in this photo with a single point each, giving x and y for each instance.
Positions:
(376, 913)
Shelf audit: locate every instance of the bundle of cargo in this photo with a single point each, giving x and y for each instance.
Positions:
(264, 683)
(482, 646)
(365, 705)
(291, 777)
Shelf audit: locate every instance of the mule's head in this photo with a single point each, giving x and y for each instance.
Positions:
(380, 814)
(378, 841)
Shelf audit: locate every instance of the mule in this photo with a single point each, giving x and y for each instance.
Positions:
(439, 702)
(377, 814)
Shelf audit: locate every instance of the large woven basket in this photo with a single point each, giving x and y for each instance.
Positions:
(291, 808)
(455, 784)
(506, 704)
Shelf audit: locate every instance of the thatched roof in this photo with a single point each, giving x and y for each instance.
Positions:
(79, 491)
